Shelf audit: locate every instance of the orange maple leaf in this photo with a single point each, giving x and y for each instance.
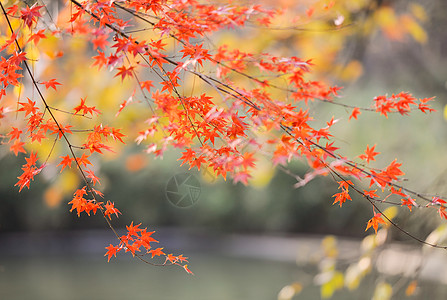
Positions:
(37, 36)
(50, 83)
(341, 197)
(66, 162)
(375, 221)
(371, 194)
(355, 112)
(28, 108)
(83, 161)
(15, 134)
(111, 251)
(17, 147)
(110, 209)
(123, 72)
(133, 229)
(156, 252)
(369, 154)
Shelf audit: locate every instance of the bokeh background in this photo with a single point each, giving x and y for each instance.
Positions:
(267, 239)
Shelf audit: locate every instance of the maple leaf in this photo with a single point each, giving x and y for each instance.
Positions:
(133, 230)
(100, 41)
(100, 60)
(123, 72)
(15, 134)
(51, 83)
(375, 221)
(187, 269)
(369, 154)
(30, 14)
(31, 161)
(171, 258)
(345, 184)
(146, 238)
(182, 258)
(393, 170)
(156, 252)
(17, 147)
(86, 109)
(341, 197)
(61, 131)
(371, 194)
(117, 135)
(28, 174)
(146, 85)
(397, 192)
(110, 209)
(92, 176)
(78, 203)
(39, 136)
(424, 107)
(355, 112)
(241, 177)
(12, 10)
(187, 156)
(112, 251)
(37, 36)
(437, 201)
(83, 161)
(132, 248)
(66, 162)
(197, 162)
(28, 108)
(409, 202)
(442, 212)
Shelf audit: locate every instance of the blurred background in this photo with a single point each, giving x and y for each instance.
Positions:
(266, 240)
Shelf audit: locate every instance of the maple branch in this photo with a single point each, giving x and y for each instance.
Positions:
(225, 88)
(61, 131)
(385, 216)
(236, 94)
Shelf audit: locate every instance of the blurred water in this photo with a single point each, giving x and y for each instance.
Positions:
(71, 266)
(81, 277)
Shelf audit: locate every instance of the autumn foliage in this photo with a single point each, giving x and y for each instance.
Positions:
(244, 104)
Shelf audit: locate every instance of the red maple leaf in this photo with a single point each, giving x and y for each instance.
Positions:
(90, 174)
(51, 83)
(15, 134)
(31, 161)
(66, 162)
(83, 161)
(112, 251)
(341, 197)
(110, 209)
(124, 72)
(17, 147)
(355, 112)
(37, 36)
(146, 238)
(442, 212)
(371, 194)
(30, 14)
(86, 109)
(409, 202)
(146, 85)
(100, 41)
(187, 269)
(369, 154)
(156, 252)
(375, 221)
(133, 229)
(100, 60)
(28, 108)
(393, 170)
